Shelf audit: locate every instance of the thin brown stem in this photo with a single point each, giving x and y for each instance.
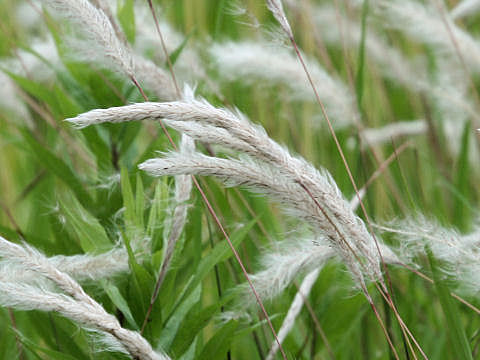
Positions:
(387, 297)
(30, 186)
(12, 220)
(367, 295)
(337, 143)
(17, 339)
(164, 47)
(404, 332)
(430, 280)
(382, 325)
(318, 327)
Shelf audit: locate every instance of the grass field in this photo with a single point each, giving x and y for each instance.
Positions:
(399, 83)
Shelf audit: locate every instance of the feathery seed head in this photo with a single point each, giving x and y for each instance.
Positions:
(465, 8)
(268, 168)
(276, 8)
(423, 23)
(74, 304)
(250, 61)
(100, 42)
(459, 253)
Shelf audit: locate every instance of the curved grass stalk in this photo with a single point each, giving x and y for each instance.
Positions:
(74, 303)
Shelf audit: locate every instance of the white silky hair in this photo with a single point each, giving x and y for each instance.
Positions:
(259, 61)
(98, 41)
(288, 178)
(457, 252)
(423, 23)
(276, 8)
(72, 302)
(465, 8)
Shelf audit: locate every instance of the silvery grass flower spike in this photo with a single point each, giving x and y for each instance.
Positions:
(71, 302)
(458, 252)
(264, 166)
(425, 23)
(465, 8)
(102, 43)
(263, 64)
(276, 7)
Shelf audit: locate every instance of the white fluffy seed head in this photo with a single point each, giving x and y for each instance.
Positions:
(276, 8)
(423, 23)
(458, 252)
(269, 168)
(385, 134)
(263, 64)
(74, 303)
(465, 8)
(280, 268)
(99, 42)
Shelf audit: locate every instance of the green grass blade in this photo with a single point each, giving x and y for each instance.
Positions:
(173, 324)
(454, 326)
(462, 213)
(126, 17)
(219, 253)
(217, 347)
(132, 218)
(59, 168)
(119, 301)
(359, 84)
(36, 349)
(177, 52)
(90, 233)
(139, 202)
(195, 321)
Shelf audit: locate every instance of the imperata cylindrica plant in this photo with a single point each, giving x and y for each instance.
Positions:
(336, 222)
